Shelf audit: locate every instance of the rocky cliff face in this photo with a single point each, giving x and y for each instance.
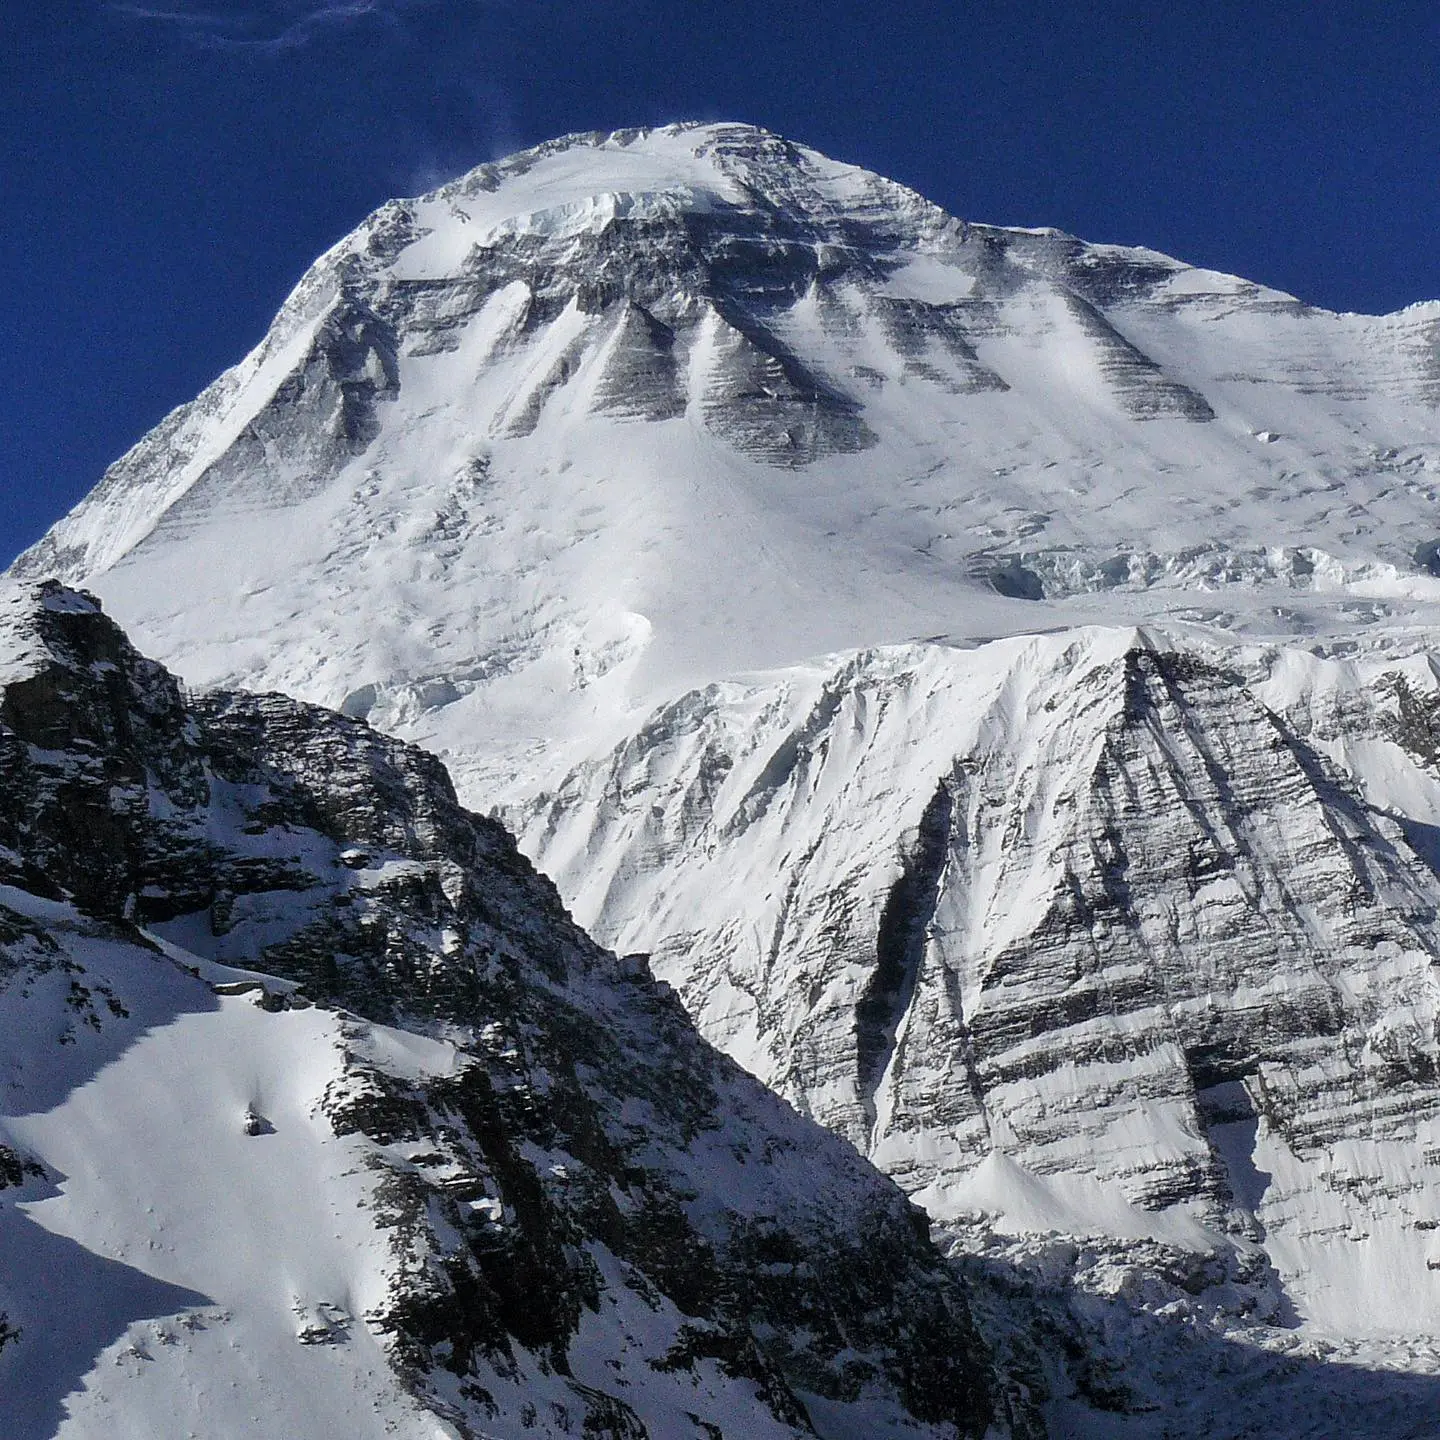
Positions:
(1090, 933)
(575, 1217)
(329, 1115)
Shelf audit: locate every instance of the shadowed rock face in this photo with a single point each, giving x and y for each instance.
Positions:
(589, 1139)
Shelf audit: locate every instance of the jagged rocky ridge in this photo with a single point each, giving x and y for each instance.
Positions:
(583, 1219)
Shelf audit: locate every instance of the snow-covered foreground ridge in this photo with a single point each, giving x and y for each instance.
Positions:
(428, 1163)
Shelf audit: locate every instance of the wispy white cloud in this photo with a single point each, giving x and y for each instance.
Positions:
(464, 111)
(263, 24)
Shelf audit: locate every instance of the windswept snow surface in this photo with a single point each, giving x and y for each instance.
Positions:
(164, 1263)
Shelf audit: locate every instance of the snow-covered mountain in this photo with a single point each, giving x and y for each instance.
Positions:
(625, 414)
(990, 674)
(318, 1116)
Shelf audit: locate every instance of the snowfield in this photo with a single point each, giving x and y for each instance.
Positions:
(171, 1273)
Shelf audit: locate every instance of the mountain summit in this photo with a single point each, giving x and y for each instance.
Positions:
(627, 412)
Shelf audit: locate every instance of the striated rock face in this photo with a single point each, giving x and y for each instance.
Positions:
(575, 1217)
(1087, 932)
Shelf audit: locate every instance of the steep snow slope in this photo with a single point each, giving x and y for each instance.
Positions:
(169, 1273)
(444, 1169)
(627, 413)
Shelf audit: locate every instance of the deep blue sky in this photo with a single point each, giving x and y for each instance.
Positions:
(169, 167)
